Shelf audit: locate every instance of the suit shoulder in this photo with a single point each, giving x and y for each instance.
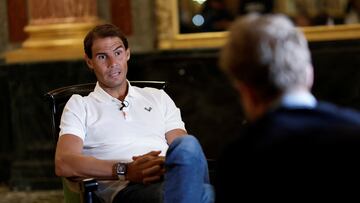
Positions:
(340, 113)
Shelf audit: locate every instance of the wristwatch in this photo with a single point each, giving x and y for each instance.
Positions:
(120, 170)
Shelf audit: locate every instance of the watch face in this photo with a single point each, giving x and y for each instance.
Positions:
(121, 169)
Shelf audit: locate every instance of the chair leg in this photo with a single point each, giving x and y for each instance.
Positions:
(88, 197)
(88, 188)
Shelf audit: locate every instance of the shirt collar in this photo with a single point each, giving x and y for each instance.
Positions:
(103, 96)
(297, 99)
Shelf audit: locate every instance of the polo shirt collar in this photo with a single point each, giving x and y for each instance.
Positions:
(103, 96)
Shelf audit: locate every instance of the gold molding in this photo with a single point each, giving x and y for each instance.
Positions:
(170, 38)
(23, 55)
(331, 33)
(51, 42)
(56, 35)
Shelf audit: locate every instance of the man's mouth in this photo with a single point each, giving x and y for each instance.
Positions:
(114, 73)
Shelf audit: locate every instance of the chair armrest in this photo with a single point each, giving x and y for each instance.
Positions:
(80, 189)
(88, 187)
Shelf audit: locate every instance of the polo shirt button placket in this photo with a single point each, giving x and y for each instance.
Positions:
(124, 113)
(125, 110)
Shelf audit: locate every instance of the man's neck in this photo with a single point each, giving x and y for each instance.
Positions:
(119, 92)
(296, 98)
(259, 109)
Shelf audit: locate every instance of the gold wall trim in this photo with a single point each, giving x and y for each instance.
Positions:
(44, 54)
(53, 35)
(170, 38)
(52, 42)
(330, 33)
(199, 40)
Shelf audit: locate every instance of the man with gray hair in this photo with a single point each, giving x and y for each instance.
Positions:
(292, 147)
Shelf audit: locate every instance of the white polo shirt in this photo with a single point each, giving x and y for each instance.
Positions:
(113, 134)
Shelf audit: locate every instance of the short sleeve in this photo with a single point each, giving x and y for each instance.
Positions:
(172, 114)
(73, 117)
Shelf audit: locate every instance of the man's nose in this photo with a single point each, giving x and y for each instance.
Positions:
(112, 61)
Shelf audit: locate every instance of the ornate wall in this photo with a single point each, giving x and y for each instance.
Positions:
(3, 27)
(137, 16)
(209, 106)
(208, 103)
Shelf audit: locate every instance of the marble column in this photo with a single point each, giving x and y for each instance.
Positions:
(56, 30)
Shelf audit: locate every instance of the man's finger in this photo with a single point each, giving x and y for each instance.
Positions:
(151, 179)
(151, 153)
(151, 171)
(148, 162)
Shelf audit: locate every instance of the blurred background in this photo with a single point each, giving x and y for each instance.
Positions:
(41, 49)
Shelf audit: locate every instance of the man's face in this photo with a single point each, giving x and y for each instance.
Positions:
(109, 62)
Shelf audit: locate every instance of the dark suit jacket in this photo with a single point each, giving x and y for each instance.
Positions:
(293, 154)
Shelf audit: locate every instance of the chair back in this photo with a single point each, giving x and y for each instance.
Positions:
(57, 99)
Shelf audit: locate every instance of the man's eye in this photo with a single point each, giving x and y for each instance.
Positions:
(101, 57)
(117, 53)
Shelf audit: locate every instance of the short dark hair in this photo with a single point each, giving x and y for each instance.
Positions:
(102, 31)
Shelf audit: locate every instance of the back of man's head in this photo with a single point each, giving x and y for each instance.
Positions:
(267, 53)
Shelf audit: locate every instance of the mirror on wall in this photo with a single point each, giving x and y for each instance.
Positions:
(203, 23)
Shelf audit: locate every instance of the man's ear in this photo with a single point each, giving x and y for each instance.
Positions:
(242, 89)
(88, 61)
(128, 54)
(251, 102)
(247, 93)
(309, 76)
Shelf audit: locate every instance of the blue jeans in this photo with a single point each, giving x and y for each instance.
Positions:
(186, 179)
(187, 176)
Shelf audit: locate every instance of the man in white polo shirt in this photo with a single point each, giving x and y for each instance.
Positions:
(132, 138)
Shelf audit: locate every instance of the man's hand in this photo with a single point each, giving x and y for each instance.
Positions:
(147, 168)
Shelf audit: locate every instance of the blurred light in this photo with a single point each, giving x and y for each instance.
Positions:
(199, 1)
(198, 20)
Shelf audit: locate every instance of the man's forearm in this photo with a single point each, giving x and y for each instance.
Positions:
(67, 165)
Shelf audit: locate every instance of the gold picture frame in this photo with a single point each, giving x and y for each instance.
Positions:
(169, 36)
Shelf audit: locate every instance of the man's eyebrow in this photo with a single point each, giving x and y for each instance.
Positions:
(100, 53)
(120, 46)
(104, 53)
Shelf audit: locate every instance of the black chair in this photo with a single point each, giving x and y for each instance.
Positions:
(81, 190)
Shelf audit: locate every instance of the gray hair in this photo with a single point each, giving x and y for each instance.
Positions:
(267, 52)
